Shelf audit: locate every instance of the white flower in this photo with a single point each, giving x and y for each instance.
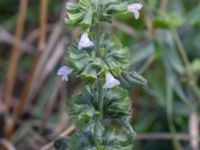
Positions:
(85, 41)
(64, 71)
(110, 81)
(134, 8)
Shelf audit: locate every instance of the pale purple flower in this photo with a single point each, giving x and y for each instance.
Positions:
(110, 81)
(64, 71)
(85, 41)
(134, 8)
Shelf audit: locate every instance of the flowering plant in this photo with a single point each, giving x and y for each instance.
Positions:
(102, 111)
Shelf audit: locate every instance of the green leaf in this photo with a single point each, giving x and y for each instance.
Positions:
(83, 13)
(79, 14)
(116, 103)
(116, 57)
(193, 17)
(117, 7)
(172, 20)
(87, 21)
(111, 139)
(194, 67)
(84, 108)
(131, 79)
(84, 63)
(113, 57)
(71, 7)
(115, 139)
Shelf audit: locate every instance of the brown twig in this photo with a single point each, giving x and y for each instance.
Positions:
(181, 48)
(164, 136)
(15, 53)
(57, 31)
(25, 92)
(149, 61)
(35, 33)
(69, 131)
(8, 38)
(142, 136)
(7, 144)
(43, 23)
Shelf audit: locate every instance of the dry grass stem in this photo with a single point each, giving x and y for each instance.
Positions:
(10, 82)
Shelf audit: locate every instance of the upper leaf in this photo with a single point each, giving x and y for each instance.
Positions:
(86, 12)
(131, 79)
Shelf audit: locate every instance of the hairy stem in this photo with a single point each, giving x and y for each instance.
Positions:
(100, 97)
(97, 49)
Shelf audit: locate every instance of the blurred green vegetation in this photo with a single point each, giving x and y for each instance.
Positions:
(168, 31)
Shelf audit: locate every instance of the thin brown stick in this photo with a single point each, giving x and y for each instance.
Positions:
(35, 33)
(26, 89)
(8, 38)
(57, 31)
(149, 61)
(7, 144)
(164, 136)
(142, 136)
(22, 100)
(25, 92)
(181, 49)
(43, 24)
(15, 53)
(69, 131)
(36, 70)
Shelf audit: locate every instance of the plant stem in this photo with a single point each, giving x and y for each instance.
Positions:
(169, 108)
(100, 97)
(97, 38)
(181, 48)
(99, 84)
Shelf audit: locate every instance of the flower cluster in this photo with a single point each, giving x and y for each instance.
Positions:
(100, 60)
(85, 42)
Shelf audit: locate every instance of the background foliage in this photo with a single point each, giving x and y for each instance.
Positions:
(165, 49)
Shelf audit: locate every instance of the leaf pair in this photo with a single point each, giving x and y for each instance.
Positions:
(84, 108)
(110, 139)
(113, 57)
(83, 13)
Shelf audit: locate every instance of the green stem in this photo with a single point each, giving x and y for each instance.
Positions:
(169, 105)
(100, 97)
(97, 38)
(97, 50)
